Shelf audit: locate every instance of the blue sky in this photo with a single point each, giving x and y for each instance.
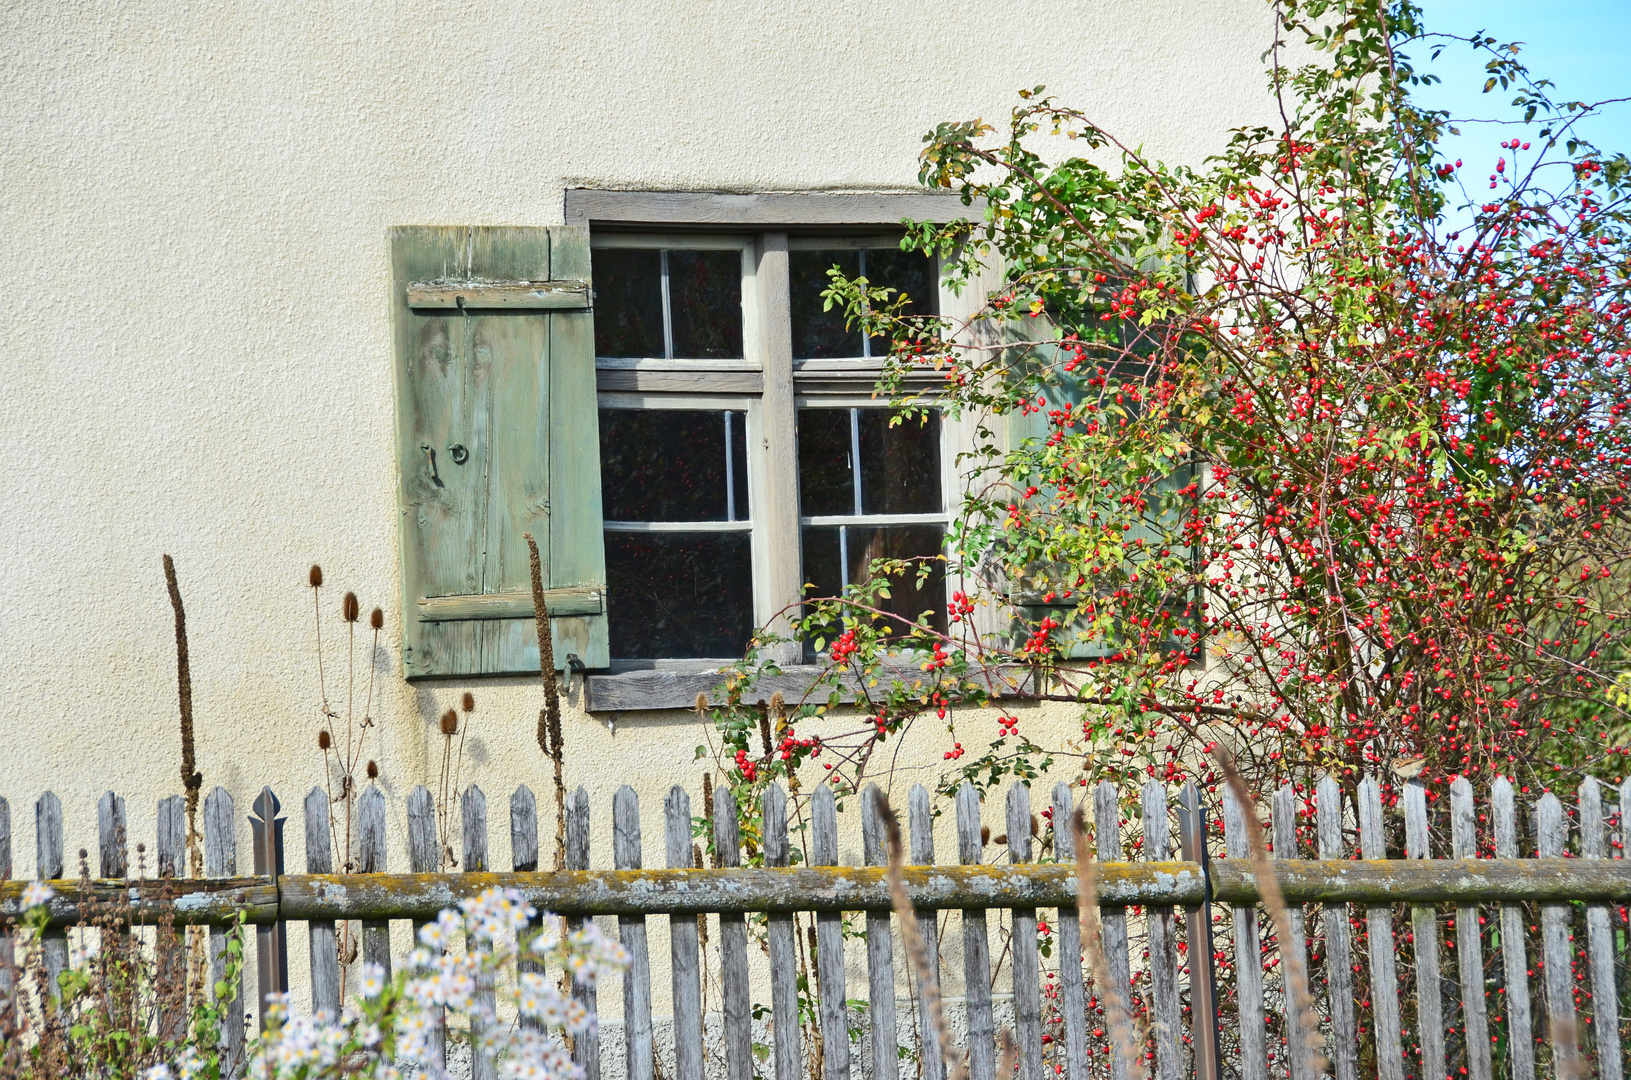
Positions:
(1582, 46)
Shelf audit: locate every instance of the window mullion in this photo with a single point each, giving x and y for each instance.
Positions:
(778, 572)
(668, 309)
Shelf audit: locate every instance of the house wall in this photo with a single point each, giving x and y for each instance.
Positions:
(193, 212)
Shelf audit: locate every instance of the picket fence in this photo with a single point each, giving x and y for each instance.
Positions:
(1161, 901)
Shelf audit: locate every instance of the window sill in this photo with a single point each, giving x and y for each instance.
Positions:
(659, 690)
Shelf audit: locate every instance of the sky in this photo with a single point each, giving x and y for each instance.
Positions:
(1582, 46)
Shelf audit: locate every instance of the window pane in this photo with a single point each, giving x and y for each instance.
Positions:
(739, 464)
(910, 272)
(677, 595)
(817, 334)
(826, 478)
(628, 302)
(855, 547)
(705, 302)
(900, 465)
(669, 465)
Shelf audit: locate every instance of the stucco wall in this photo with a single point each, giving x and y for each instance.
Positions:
(194, 200)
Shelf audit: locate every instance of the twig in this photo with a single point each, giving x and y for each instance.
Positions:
(191, 778)
(549, 717)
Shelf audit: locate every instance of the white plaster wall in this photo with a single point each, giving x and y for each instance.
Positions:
(194, 198)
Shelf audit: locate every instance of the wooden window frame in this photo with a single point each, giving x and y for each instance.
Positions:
(767, 384)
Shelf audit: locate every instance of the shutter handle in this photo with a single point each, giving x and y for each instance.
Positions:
(460, 454)
(430, 459)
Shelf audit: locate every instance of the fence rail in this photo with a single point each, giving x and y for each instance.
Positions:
(1461, 910)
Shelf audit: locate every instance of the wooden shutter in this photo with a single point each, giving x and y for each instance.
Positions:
(497, 435)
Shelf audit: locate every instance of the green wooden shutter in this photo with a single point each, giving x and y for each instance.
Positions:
(497, 435)
(1028, 602)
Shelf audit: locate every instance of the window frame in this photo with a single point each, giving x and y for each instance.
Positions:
(768, 384)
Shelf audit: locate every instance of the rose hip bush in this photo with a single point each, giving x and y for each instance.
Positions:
(1319, 449)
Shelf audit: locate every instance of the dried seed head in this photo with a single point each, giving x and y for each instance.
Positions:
(450, 723)
(349, 608)
(315, 576)
(323, 741)
(778, 705)
(1001, 839)
(985, 834)
(376, 619)
(701, 703)
(1036, 826)
(468, 702)
(708, 796)
(373, 771)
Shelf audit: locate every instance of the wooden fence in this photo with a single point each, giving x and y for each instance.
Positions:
(1519, 888)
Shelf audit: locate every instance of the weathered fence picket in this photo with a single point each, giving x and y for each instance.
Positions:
(1605, 1006)
(425, 857)
(1519, 1025)
(980, 883)
(325, 957)
(1027, 967)
(372, 858)
(1248, 948)
(1469, 944)
(473, 822)
(880, 949)
(1551, 840)
(982, 1032)
(1424, 931)
(921, 824)
(733, 948)
(1379, 936)
(1339, 983)
(221, 860)
(685, 958)
(631, 931)
(1162, 934)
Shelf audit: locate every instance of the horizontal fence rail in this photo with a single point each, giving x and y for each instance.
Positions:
(1501, 959)
(837, 888)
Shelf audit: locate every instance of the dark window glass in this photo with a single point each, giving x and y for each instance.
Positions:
(838, 555)
(900, 465)
(910, 272)
(677, 595)
(628, 302)
(818, 334)
(705, 303)
(822, 335)
(671, 465)
(826, 470)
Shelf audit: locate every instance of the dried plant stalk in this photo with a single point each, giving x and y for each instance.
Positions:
(191, 779)
(1268, 887)
(1122, 1034)
(928, 982)
(549, 717)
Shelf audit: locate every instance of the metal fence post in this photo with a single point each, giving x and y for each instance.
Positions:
(271, 941)
(1203, 985)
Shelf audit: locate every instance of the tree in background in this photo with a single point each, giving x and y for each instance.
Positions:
(1270, 451)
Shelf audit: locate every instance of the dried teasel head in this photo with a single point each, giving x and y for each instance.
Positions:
(323, 740)
(778, 705)
(468, 702)
(314, 577)
(450, 723)
(376, 619)
(349, 608)
(985, 834)
(701, 703)
(373, 771)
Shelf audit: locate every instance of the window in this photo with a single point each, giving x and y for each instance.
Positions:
(672, 415)
(683, 358)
